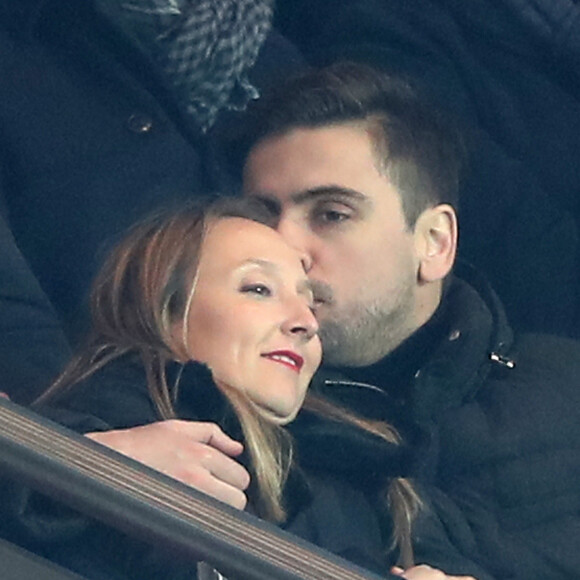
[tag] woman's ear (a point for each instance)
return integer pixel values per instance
(436, 242)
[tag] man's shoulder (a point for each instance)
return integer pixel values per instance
(557, 354)
(547, 359)
(533, 405)
(547, 342)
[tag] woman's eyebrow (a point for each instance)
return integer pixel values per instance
(304, 286)
(259, 262)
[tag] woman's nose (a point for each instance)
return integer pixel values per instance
(302, 323)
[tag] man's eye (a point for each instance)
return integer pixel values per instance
(259, 289)
(331, 216)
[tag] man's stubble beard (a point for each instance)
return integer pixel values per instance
(361, 334)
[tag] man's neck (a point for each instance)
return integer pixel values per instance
(397, 369)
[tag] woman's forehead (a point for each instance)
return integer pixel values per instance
(234, 241)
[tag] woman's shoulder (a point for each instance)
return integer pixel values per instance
(113, 397)
(117, 396)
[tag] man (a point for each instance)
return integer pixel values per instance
(509, 69)
(365, 180)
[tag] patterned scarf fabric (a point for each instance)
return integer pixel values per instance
(202, 48)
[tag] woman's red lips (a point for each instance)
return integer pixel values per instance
(286, 357)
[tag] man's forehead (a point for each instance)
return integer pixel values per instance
(306, 166)
(310, 144)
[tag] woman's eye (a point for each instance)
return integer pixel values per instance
(259, 289)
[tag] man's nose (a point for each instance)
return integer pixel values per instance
(306, 261)
(294, 235)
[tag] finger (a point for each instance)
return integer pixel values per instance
(198, 454)
(225, 469)
(223, 442)
(208, 433)
(207, 483)
(423, 572)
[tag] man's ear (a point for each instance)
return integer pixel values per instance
(436, 242)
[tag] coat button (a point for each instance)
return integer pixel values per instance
(454, 335)
(140, 123)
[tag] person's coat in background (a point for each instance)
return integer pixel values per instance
(90, 141)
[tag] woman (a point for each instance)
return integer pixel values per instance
(205, 314)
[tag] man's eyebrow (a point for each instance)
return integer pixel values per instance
(337, 191)
(305, 196)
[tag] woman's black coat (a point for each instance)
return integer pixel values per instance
(333, 498)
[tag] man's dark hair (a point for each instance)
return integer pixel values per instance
(417, 149)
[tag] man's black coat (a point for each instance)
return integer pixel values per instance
(495, 424)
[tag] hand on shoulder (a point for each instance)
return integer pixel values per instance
(198, 454)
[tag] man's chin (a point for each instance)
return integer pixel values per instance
(344, 347)
(336, 349)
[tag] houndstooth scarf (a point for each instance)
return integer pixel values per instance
(202, 48)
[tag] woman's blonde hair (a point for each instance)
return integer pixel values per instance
(143, 289)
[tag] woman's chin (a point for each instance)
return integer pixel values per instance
(276, 415)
